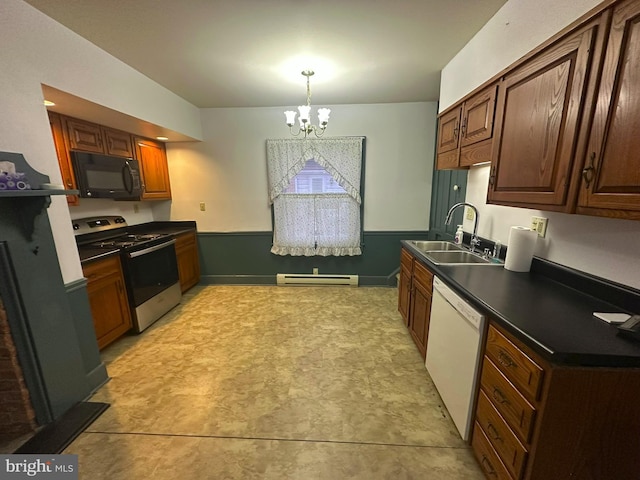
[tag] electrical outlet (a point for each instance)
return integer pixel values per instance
(202, 207)
(539, 224)
(315, 271)
(136, 208)
(470, 214)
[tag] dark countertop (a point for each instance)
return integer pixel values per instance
(88, 254)
(173, 228)
(552, 318)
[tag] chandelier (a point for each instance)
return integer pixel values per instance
(305, 115)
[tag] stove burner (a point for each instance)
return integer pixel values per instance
(125, 241)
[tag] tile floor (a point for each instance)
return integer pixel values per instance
(244, 382)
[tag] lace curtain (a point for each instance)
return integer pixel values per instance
(316, 224)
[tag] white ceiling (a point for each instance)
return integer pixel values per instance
(231, 53)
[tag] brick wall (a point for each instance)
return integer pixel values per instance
(16, 413)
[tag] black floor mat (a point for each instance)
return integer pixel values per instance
(56, 436)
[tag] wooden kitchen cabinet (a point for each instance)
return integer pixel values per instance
(64, 161)
(90, 137)
(108, 299)
(465, 132)
(610, 182)
(538, 118)
(154, 169)
(188, 260)
(84, 136)
(420, 310)
(404, 287)
(539, 421)
(117, 143)
(414, 299)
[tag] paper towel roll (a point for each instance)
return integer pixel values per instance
(522, 243)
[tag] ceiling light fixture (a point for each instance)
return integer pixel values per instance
(162, 138)
(48, 103)
(305, 115)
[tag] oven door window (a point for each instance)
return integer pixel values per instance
(152, 273)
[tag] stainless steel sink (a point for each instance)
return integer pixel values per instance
(430, 246)
(461, 257)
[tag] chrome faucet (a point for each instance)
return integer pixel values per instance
(475, 241)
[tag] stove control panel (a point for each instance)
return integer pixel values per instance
(86, 225)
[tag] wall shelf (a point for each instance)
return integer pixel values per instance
(35, 193)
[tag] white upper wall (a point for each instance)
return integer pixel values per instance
(516, 29)
(36, 50)
(601, 246)
(228, 171)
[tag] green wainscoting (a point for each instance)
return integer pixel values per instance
(245, 258)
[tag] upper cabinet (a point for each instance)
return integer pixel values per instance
(153, 168)
(64, 161)
(90, 137)
(465, 131)
(610, 178)
(538, 117)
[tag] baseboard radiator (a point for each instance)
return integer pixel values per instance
(309, 279)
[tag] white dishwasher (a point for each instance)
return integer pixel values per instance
(453, 353)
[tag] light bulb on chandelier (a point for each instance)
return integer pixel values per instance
(305, 115)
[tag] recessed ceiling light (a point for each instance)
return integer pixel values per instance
(162, 138)
(48, 103)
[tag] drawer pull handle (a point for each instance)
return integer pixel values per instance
(487, 464)
(588, 172)
(506, 360)
(493, 432)
(498, 396)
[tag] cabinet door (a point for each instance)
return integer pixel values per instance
(154, 169)
(420, 313)
(108, 300)
(537, 118)
(66, 170)
(188, 261)
(477, 117)
(611, 174)
(117, 143)
(404, 294)
(449, 130)
(84, 136)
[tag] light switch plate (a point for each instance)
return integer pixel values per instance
(202, 207)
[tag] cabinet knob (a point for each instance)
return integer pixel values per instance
(456, 188)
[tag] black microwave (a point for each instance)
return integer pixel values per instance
(104, 176)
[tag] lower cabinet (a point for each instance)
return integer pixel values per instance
(414, 299)
(539, 421)
(188, 261)
(108, 299)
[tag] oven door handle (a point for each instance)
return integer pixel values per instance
(151, 249)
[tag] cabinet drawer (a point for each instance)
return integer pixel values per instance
(406, 259)
(424, 276)
(513, 407)
(101, 268)
(487, 457)
(521, 370)
(505, 443)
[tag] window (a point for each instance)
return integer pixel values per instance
(314, 187)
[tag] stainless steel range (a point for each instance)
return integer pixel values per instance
(148, 261)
